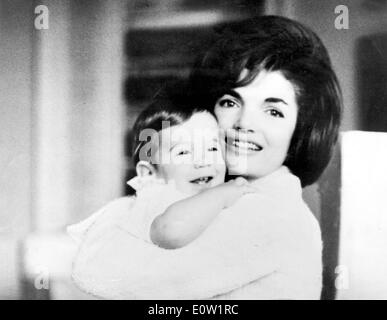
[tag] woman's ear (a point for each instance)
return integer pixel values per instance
(145, 169)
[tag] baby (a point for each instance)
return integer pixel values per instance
(177, 155)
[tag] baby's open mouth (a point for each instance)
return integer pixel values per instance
(202, 180)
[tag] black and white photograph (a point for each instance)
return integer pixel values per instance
(193, 150)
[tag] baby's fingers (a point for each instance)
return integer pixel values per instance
(239, 181)
(248, 189)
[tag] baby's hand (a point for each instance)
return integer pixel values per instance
(232, 190)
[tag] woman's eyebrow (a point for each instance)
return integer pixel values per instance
(233, 93)
(275, 100)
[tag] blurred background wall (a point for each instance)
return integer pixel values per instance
(15, 136)
(62, 120)
(69, 94)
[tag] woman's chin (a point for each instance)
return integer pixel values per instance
(238, 165)
(237, 170)
(244, 168)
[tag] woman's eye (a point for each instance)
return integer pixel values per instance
(276, 113)
(227, 103)
(213, 149)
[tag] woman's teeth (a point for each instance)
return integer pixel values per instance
(202, 180)
(246, 145)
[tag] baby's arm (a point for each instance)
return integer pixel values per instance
(186, 219)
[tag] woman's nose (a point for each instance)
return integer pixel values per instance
(245, 121)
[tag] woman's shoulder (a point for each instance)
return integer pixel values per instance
(278, 202)
(281, 182)
(277, 192)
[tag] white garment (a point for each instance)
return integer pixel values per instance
(266, 246)
(153, 197)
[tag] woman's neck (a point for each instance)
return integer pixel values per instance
(252, 178)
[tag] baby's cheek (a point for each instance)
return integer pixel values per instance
(169, 171)
(221, 171)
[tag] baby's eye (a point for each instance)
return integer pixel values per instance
(213, 149)
(227, 103)
(275, 113)
(183, 152)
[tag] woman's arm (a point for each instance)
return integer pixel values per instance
(236, 249)
(264, 235)
(124, 267)
(186, 219)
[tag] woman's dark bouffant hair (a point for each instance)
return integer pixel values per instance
(170, 106)
(278, 44)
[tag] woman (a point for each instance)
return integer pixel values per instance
(270, 83)
(277, 44)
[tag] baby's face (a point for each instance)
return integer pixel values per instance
(190, 154)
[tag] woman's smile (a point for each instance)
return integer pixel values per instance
(241, 143)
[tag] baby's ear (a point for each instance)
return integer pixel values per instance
(145, 169)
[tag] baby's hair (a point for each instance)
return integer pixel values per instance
(171, 107)
(279, 44)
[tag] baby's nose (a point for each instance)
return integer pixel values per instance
(202, 161)
(201, 164)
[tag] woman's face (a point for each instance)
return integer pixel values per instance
(259, 120)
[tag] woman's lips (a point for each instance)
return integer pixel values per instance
(246, 145)
(242, 146)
